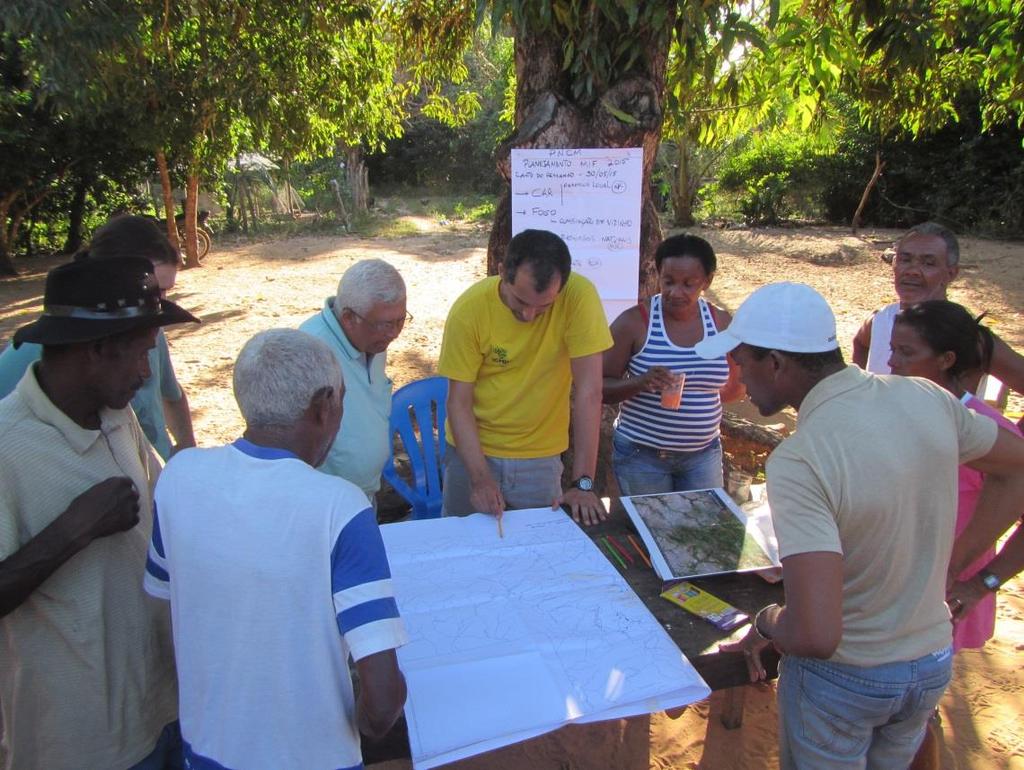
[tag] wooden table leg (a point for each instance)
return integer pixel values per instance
(733, 700)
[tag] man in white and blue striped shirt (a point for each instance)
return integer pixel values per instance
(276, 573)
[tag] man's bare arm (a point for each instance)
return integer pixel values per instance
(382, 693)
(179, 422)
(106, 508)
(587, 380)
(1008, 365)
(964, 594)
(862, 344)
(999, 504)
(811, 622)
(485, 493)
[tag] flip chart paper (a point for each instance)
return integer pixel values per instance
(591, 199)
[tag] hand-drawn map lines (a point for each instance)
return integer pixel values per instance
(527, 572)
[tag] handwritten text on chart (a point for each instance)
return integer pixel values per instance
(590, 197)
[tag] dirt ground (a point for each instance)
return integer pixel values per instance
(247, 287)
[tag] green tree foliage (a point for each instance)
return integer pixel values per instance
(52, 149)
(966, 176)
(770, 172)
(713, 99)
(450, 154)
(904, 68)
(295, 78)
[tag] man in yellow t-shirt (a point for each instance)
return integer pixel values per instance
(513, 346)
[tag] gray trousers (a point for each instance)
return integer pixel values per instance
(524, 483)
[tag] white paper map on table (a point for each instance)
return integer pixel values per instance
(514, 637)
(700, 532)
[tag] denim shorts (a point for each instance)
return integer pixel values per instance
(646, 470)
(835, 715)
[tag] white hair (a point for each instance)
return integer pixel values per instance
(366, 283)
(277, 374)
(934, 228)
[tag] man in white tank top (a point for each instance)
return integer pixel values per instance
(927, 260)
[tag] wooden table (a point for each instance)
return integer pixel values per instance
(697, 638)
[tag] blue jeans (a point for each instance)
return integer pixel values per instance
(834, 715)
(167, 754)
(644, 470)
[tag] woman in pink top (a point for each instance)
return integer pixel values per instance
(942, 342)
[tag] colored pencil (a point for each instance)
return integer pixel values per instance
(501, 532)
(612, 551)
(640, 551)
(620, 549)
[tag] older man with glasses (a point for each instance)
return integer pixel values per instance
(365, 316)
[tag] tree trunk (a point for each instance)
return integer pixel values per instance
(168, 195)
(76, 216)
(549, 116)
(229, 213)
(879, 165)
(242, 205)
(6, 264)
(684, 187)
(26, 235)
(358, 181)
(191, 239)
(342, 211)
(250, 202)
(12, 215)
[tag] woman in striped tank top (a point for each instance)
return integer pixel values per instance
(658, 449)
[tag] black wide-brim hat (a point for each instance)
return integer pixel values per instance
(91, 299)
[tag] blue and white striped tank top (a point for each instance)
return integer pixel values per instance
(695, 424)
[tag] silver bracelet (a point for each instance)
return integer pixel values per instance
(757, 622)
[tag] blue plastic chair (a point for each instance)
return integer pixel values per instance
(417, 416)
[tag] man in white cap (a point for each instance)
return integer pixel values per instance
(863, 499)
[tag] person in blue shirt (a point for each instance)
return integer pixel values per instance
(364, 317)
(160, 404)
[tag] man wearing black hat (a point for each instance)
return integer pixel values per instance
(88, 672)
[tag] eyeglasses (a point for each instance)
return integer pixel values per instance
(909, 259)
(384, 326)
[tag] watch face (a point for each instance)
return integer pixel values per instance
(584, 483)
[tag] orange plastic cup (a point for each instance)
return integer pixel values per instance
(672, 396)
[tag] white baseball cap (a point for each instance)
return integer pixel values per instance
(791, 317)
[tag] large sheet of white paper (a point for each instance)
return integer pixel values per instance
(514, 637)
(591, 199)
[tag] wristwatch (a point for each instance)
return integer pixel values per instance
(992, 582)
(584, 484)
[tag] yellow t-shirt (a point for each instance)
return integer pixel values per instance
(520, 370)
